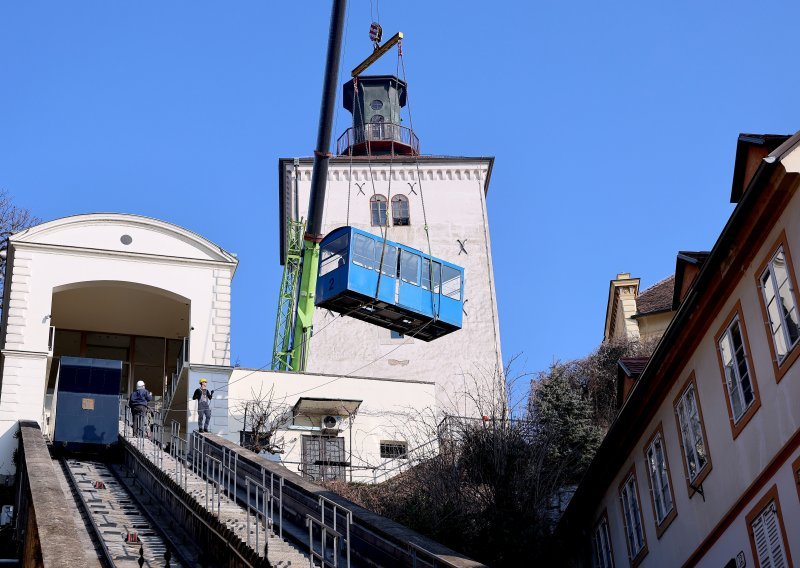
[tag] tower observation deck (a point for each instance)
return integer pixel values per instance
(377, 130)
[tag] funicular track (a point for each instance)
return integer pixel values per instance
(125, 530)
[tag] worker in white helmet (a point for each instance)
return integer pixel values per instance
(138, 405)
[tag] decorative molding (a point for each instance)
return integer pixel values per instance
(406, 172)
(134, 256)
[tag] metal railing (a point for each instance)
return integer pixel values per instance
(337, 509)
(377, 132)
(324, 531)
(261, 493)
(257, 498)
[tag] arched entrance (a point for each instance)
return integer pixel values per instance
(142, 326)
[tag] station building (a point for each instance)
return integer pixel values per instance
(702, 465)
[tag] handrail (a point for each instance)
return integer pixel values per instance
(377, 132)
(348, 515)
(188, 506)
(259, 513)
(324, 530)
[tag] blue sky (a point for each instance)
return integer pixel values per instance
(613, 125)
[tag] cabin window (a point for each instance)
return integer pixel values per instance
(427, 272)
(692, 433)
(409, 267)
(451, 282)
(400, 211)
(781, 306)
(602, 557)
(660, 488)
(767, 532)
(333, 255)
(389, 264)
(394, 450)
(363, 251)
(736, 369)
(632, 515)
(377, 206)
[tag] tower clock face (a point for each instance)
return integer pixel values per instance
(376, 105)
(377, 118)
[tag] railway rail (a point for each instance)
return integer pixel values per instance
(124, 527)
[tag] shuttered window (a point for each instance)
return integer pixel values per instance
(768, 539)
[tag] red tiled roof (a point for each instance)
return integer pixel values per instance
(657, 298)
(633, 366)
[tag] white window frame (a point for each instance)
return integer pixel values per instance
(691, 431)
(632, 516)
(660, 488)
(378, 210)
(602, 554)
(768, 537)
(734, 378)
(779, 329)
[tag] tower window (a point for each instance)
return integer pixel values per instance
(377, 206)
(400, 212)
(377, 128)
(376, 104)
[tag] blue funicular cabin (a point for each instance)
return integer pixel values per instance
(401, 297)
(87, 403)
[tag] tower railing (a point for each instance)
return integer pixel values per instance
(378, 133)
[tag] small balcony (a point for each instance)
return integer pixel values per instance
(378, 138)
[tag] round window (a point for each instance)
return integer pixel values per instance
(126, 239)
(376, 104)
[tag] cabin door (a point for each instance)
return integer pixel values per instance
(411, 294)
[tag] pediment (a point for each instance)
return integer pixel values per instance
(124, 233)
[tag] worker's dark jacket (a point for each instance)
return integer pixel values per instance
(140, 397)
(198, 393)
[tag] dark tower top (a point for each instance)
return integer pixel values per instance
(376, 126)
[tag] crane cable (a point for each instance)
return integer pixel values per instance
(389, 197)
(421, 193)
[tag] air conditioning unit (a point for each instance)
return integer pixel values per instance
(331, 424)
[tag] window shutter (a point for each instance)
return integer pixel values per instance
(768, 540)
(774, 536)
(760, 537)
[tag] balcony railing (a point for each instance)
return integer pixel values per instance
(378, 134)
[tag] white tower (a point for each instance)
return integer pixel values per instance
(378, 172)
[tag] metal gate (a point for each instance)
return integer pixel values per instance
(323, 458)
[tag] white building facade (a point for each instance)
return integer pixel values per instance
(109, 286)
